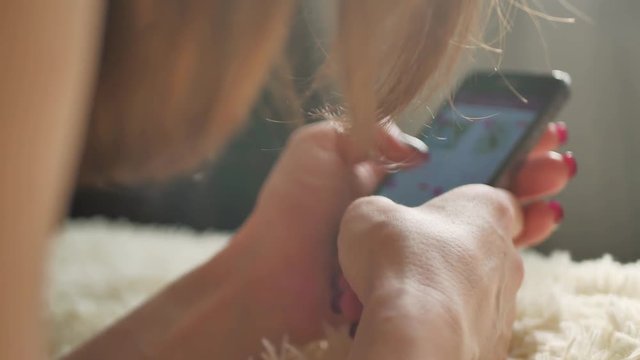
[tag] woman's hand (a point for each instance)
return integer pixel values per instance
(439, 279)
(319, 174)
(544, 173)
(298, 213)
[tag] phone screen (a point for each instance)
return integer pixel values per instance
(470, 140)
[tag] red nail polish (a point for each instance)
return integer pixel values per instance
(571, 163)
(562, 132)
(558, 210)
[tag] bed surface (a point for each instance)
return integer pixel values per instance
(586, 310)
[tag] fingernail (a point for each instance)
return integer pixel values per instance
(571, 163)
(558, 211)
(562, 132)
(414, 143)
(353, 329)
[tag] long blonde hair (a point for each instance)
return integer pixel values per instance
(177, 78)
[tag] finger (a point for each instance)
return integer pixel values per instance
(517, 225)
(544, 175)
(500, 206)
(391, 145)
(555, 135)
(392, 150)
(398, 147)
(541, 219)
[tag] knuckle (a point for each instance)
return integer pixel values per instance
(503, 205)
(499, 204)
(368, 207)
(517, 269)
(370, 219)
(476, 190)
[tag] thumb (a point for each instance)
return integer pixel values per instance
(390, 144)
(392, 150)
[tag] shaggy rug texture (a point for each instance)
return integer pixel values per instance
(567, 310)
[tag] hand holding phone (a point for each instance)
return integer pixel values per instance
(492, 122)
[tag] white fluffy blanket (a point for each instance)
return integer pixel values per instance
(567, 310)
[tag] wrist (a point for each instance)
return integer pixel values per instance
(192, 317)
(415, 322)
(278, 286)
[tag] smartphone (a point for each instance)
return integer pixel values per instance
(481, 135)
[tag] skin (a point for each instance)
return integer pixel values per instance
(274, 278)
(275, 275)
(49, 50)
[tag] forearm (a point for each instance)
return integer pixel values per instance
(210, 312)
(49, 52)
(405, 326)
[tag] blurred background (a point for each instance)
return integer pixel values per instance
(602, 205)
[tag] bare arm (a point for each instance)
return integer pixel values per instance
(47, 59)
(222, 310)
(399, 325)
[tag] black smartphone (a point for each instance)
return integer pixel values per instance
(480, 135)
